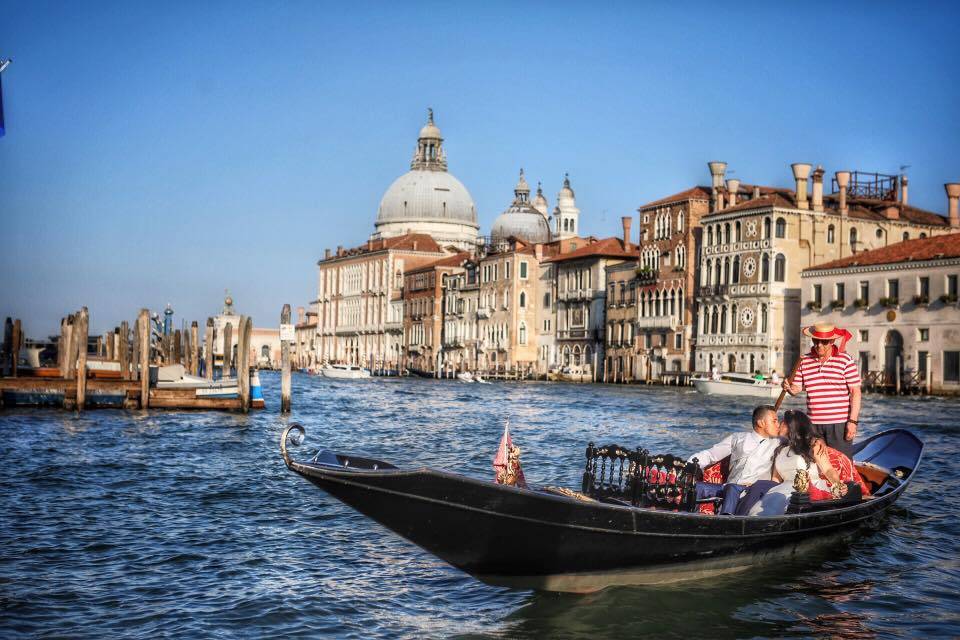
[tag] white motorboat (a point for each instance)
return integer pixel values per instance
(477, 378)
(736, 384)
(466, 376)
(343, 371)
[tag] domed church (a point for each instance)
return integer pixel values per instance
(428, 199)
(523, 220)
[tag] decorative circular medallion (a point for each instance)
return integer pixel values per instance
(891, 315)
(751, 228)
(749, 267)
(746, 317)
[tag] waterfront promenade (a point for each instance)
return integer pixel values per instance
(139, 524)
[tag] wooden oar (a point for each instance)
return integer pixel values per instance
(783, 392)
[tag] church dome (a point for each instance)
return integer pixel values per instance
(423, 194)
(521, 220)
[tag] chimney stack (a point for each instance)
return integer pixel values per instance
(326, 254)
(627, 222)
(717, 170)
(299, 315)
(953, 194)
(818, 189)
(733, 186)
(843, 181)
(903, 190)
(756, 193)
(339, 250)
(538, 251)
(801, 171)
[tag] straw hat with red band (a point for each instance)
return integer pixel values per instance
(828, 332)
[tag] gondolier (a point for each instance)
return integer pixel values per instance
(830, 377)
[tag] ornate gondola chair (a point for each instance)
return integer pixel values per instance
(806, 498)
(715, 473)
(637, 478)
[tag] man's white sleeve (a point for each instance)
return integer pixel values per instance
(717, 452)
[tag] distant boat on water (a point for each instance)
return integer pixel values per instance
(343, 372)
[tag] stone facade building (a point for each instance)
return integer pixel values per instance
(423, 312)
(303, 351)
(670, 238)
(461, 332)
(900, 304)
(621, 320)
(756, 243)
(359, 312)
(581, 275)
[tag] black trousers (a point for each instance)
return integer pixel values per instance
(834, 434)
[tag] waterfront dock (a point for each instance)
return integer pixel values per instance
(122, 368)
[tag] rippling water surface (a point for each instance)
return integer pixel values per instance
(188, 524)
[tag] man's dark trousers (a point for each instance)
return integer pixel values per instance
(730, 493)
(834, 434)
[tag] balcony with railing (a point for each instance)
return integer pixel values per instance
(572, 334)
(713, 290)
(658, 322)
(572, 295)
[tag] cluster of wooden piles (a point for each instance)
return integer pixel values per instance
(117, 373)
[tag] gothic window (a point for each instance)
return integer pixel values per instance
(679, 220)
(716, 272)
(853, 238)
(708, 273)
(780, 268)
(765, 268)
(523, 332)
(737, 231)
(766, 227)
(736, 270)
(830, 234)
(572, 230)
(709, 236)
(523, 300)
(726, 271)
(726, 233)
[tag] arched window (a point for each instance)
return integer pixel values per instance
(708, 272)
(679, 220)
(714, 319)
(716, 272)
(766, 227)
(906, 235)
(723, 320)
(736, 229)
(726, 271)
(780, 268)
(923, 235)
(523, 331)
(733, 318)
(763, 318)
(572, 230)
(726, 233)
(765, 268)
(709, 236)
(781, 228)
(523, 299)
(736, 270)
(853, 238)
(830, 234)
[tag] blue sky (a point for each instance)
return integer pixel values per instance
(164, 152)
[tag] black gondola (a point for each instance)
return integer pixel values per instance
(534, 538)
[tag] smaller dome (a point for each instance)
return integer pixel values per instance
(521, 220)
(566, 191)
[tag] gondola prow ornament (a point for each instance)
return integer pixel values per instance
(506, 463)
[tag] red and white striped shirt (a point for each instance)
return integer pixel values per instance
(828, 385)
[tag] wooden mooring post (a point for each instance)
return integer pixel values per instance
(243, 366)
(284, 361)
(83, 328)
(123, 349)
(15, 345)
(143, 324)
(194, 348)
(208, 349)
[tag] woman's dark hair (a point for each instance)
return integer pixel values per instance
(800, 436)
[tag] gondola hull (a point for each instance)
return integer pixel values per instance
(533, 539)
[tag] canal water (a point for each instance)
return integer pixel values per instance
(116, 524)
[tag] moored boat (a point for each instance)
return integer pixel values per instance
(466, 376)
(343, 371)
(736, 384)
(537, 538)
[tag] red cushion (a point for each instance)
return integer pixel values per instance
(716, 473)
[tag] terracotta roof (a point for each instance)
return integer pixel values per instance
(606, 248)
(406, 242)
(693, 193)
(450, 261)
(859, 208)
(917, 250)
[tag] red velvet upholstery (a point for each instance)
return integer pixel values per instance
(717, 474)
(848, 473)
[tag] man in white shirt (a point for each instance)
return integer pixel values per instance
(751, 459)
